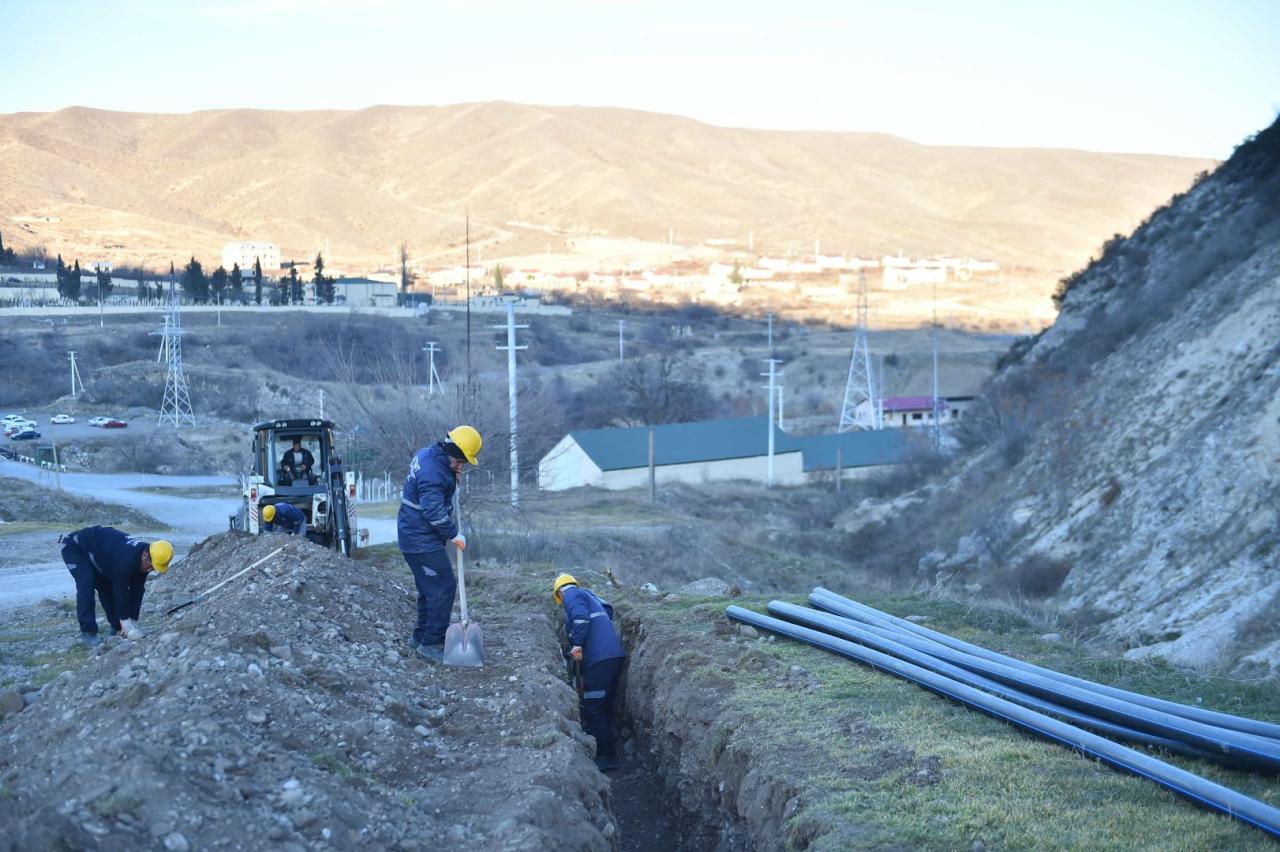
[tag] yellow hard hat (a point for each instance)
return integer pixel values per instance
(562, 581)
(269, 514)
(467, 439)
(161, 552)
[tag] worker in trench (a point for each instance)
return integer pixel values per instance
(113, 565)
(426, 528)
(597, 651)
(284, 518)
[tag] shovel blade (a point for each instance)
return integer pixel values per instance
(464, 645)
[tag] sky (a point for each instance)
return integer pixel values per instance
(1148, 76)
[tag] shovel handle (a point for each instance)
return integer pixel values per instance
(462, 583)
(240, 573)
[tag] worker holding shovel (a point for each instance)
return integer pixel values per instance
(426, 526)
(113, 565)
(595, 649)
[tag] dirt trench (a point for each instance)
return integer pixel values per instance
(694, 779)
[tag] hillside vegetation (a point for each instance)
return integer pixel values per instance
(1127, 460)
(157, 187)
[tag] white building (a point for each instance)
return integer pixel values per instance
(905, 412)
(246, 253)
(711, 451)
(899, 277)
(364, 293)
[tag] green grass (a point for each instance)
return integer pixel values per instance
(996, 784)
(378, 510)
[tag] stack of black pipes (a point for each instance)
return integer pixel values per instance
(1056, 706)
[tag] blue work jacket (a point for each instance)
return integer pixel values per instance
(289, 518)
(425, 523)
(588, 621)
(117, 558)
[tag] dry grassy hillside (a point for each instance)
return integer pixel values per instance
(137, 186)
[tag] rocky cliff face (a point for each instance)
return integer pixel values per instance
(1127, 459)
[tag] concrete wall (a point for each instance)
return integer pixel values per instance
(567, 466)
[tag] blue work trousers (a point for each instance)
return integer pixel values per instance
(599, 683)
(86, 580)
(433, 575)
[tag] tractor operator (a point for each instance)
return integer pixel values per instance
(593, 646)
(425, 526)
(115, 565)
(298, 462)
(284, 518)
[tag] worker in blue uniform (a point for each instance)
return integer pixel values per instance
(284, 518)
(425, 527)
(593, 642)
(114, 565)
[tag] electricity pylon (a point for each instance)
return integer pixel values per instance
(860, 387)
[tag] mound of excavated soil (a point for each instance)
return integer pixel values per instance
(21, 500)
(288, 708)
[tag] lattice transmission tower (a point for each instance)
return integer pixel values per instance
(860, 387)
(175, 408)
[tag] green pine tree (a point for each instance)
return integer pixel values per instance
(236, 281)
(104, 284)
(257, 281)
(218, 283)
(195, 286)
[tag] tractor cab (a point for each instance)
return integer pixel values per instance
(294, 462)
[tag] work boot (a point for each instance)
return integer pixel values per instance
(608, 762)
(432, 653)
(90, 640)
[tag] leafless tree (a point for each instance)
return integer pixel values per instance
(406, 275)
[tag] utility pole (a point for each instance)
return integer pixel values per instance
(176, 405)
(860, 386)
(433, 378)
(653, 469)
(321, 403)
(773, 375)
(467, 275)
(511, 349)
(101, 322)
(621, 323)
(780, 426)
(770, 318)
(937, 433)
(75, 374)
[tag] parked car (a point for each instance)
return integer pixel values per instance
(61, 419)
(98, 421)
(25, 435)
(10, 419)
(18, 426)
(115, 424)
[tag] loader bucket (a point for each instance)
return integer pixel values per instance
(464, 645)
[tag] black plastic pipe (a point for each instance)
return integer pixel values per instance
(845, 629)
(841, 605)
(1238, 749)
(1199, 790)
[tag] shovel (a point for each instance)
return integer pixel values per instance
(171, 610)
(463, 642)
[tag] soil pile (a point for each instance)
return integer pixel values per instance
(289, 708)
(21, 500)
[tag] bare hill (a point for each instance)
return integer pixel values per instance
(1129, 468)
(92, 183)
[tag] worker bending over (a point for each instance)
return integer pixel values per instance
(115, 565)
(593, 642)
(426, 525)
(284, 518)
